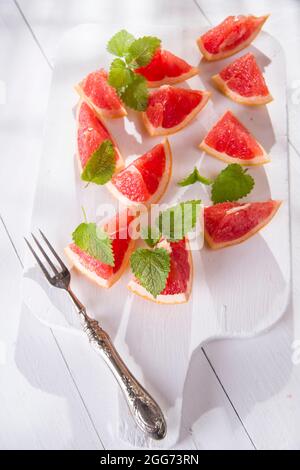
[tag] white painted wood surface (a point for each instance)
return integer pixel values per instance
(231, 408)
(219, 307)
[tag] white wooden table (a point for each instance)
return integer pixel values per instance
(248, 392)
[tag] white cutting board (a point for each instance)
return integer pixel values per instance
(237, 292)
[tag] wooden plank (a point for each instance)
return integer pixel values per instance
(21, 119)
(262, 381)
(61, 27)
(50, 21)
(106, 395)
(40, 406)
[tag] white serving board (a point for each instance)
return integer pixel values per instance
(237, 292)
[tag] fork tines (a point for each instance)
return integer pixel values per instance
(56, 272)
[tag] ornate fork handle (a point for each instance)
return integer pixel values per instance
(145, 410)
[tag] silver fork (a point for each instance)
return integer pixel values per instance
(145, 411)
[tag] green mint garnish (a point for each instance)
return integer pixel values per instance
(151, 268)
(193, 178)
(177, 221)
(95, 242)
(119, 44)
(141, 51)
(231, 184)
(151, 235)
(135, 94)
(101, 165)
(132, 53)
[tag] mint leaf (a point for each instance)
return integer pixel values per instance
(151, 235)
(136, 93)
(120, 76)
(101, 165)
(141, 51)
(151, 268)
(231, 184)
(175, 222)
(119, 44)
(194, 177)
(95, 242)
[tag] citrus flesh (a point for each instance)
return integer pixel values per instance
(170, 109)
(146, 178)
(97, 92)
(230, 141)
(230, 223)
(166, 68)
(91, 132)
(179, 281)
(232, 35)
(242, 81)
(122, 245)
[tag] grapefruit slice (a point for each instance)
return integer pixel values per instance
(179, 282)
(232, 35)
(122, 244)
(166, 68)
(230, 141)
(230, 223)
(96, 91)
(91, 132)
(170, 109)
(243, 82)
(146, 179)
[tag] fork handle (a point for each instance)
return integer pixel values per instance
(145, 411)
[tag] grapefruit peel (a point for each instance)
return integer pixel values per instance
(90, 90)
(212, 56)
(245, 67)
(160, 130)
(90, 135)
(169, 298)
(242, 138)
(236, 209)
(148, 198)
(163, 65)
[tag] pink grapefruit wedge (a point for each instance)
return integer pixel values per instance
(171, 109)
(179, 282)
(103, 274)
(230, 141)
(231, 36)
(96, 91)
(91, 132)
(166, 68)
(243, 82)
(230, 223)
(146, 179)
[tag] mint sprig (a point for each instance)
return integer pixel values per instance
(174, 223)
(101, 165)
(132, 53)
(119, 44)
(232, 184)
(95, 241)
(193, 178)
(151, 268)
(141, 51)
(177, 221)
